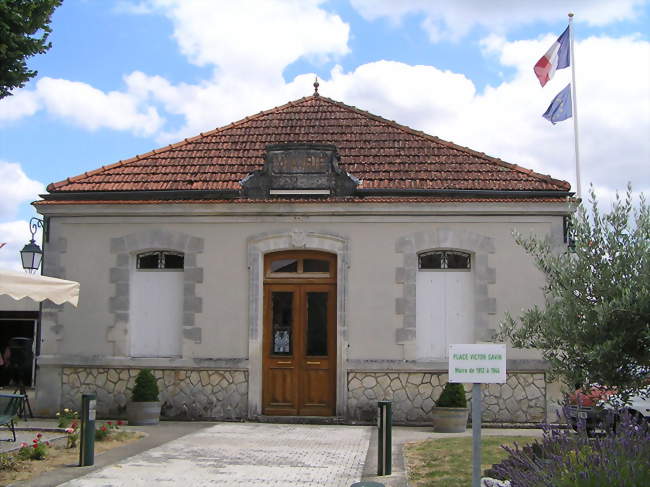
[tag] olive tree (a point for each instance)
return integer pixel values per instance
(595, 325)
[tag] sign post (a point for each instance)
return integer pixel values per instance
(482, 363)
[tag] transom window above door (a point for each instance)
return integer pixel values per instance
(300, 265)
(160, 260)
(444, 259)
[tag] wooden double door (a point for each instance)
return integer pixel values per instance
(299, 377)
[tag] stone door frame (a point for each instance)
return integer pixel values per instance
(264, 243)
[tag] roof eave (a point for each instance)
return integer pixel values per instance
(236, 194)
(464, 192)
(142, 195)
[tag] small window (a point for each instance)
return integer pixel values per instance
(149, 261)
(299, 265)
(172, 261)
(160, 260)
(315, 265)
(284, 265)
(444, 259)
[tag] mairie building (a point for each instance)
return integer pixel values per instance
(308, 260)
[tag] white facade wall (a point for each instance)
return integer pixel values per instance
(372, 310)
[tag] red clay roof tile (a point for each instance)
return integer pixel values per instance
(379, 152)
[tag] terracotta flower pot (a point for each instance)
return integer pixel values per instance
(449, 420)
(143, 413)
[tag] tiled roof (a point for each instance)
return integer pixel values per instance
(369, 199)
(382, 154)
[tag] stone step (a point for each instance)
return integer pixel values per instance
(300, 419)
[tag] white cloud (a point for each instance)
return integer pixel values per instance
(453, 20)
(84, 106)
(21, 104)
(254, 38)
(397, 91)
(16, 188)
(92, 109)
(248, 43)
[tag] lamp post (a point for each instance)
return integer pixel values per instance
(31, 255)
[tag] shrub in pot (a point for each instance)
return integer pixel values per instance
(144, 408)
(451, 411)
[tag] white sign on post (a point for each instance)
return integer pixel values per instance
(481, 363)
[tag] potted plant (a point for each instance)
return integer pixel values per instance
(144, 408)
(451, 411)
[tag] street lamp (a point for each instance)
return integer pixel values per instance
(31, 255)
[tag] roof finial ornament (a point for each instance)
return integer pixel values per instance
(316, 85)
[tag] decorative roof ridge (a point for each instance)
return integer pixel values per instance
(55, 185)
(544, 177)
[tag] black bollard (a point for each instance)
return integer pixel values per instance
(385, 437)
(87, 440)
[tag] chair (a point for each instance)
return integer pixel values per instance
(9, 406)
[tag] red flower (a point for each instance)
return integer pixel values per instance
(35, 445)
(109, 423)
(39, 435)
(34, 440)
(120, 422)
(103, 428)
(74, 425)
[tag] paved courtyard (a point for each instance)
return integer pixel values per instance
(250, 454)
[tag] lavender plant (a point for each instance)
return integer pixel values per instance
(617, 457)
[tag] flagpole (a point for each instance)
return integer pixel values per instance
(574, 105)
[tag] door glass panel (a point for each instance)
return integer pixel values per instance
(316, 323)
(315, 265)
(284, 265)
(282, 303)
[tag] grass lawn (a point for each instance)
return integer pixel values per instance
(447, 462)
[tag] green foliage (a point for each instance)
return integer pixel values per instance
(566, 459)
(106, 430)
(146, 389)
(24, 29)
(66, 417)
(453, 396)
(37, 450)
(72, 437)
(595, 327)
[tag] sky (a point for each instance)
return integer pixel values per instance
(127, 76)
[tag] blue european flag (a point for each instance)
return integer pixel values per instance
(560, 107)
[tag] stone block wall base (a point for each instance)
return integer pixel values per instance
(184, 394)
(522, 399)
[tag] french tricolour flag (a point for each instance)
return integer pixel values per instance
(557, 57)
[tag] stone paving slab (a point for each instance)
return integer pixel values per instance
(246, 454)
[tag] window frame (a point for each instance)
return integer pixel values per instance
(300, 275)
(161, 261)
(443, 260)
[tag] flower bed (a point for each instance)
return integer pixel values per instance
(619, 456)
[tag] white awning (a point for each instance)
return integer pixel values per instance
(19, 285)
